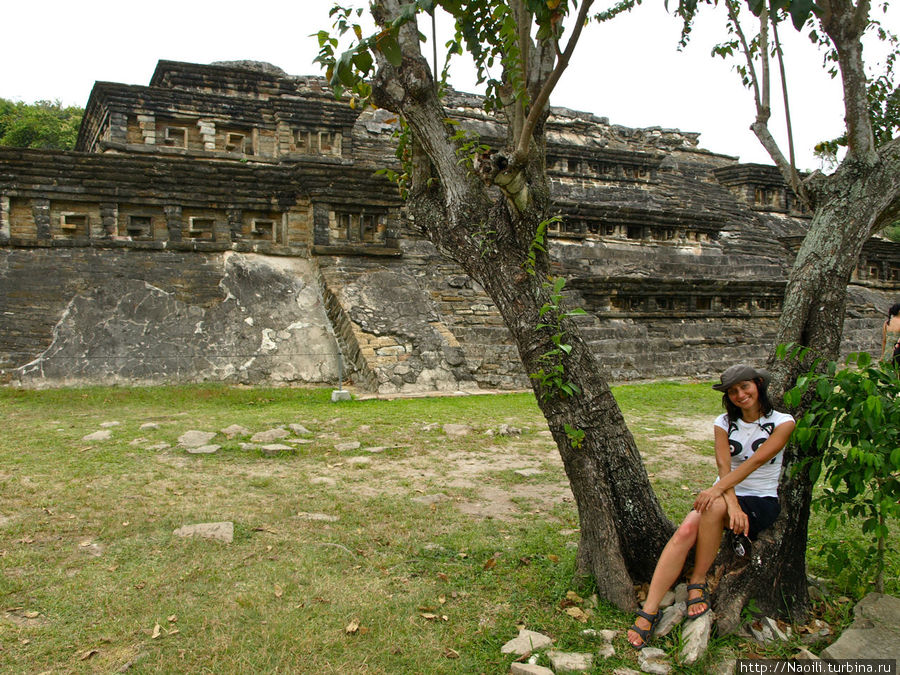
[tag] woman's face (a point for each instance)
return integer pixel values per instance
(744, 395)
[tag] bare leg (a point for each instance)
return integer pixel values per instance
(713, 522)
(668, 569)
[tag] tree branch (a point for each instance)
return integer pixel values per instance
(795, 183)
(543, 98)
(745, 47)
(845, 24)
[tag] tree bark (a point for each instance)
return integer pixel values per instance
(486, 227)
(851, 204)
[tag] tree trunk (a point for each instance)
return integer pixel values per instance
(623, 528)
(850, 205)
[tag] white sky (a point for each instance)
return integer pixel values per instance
(628, 70)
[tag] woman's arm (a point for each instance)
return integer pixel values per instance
(737, 519)
(763, 454)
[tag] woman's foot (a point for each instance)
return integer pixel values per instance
(698, 600)
(642, 629)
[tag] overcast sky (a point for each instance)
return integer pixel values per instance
(628, 70)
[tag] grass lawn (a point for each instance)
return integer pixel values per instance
(415, 551)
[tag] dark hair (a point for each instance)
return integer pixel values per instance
(894, 310)
(765, 405)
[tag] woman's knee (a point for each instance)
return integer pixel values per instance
(687, 531)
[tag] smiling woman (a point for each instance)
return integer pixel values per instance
(749, 439)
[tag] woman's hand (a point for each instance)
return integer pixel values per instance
(738, 522)
(706, 498)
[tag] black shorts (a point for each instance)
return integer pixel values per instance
(761, 511)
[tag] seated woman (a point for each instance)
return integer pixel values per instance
(749, 439)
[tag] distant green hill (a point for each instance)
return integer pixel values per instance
(42, 124)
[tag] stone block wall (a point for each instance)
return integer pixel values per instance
(85, 316)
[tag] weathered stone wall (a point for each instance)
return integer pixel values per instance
(132, 261)
(87, 315)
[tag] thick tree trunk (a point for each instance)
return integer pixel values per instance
(850, 205)
(623, 528)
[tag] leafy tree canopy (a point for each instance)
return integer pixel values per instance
(43, 124)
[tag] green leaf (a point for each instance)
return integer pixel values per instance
(390, 47)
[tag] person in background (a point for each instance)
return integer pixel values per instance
(890, 336)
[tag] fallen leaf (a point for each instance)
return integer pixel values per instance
(174, 631)
(85, 543)
(31, 614)
(140, 585)
(88, 654)
(126, 523)
(352, 627)
(451, 653)
(278, 591)
(489, 564)
(577, 613)
(428, 616)
(172, 618)
(156, 631)
(572, 596)
(26, 540)
(442, 576)
(442, 599)
(553, 558)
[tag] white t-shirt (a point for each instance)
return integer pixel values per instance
(744, 438)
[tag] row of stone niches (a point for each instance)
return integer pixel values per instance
(687, 304)
(576, 228)
(108, 220)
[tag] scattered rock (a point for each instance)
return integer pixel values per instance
(507, 430)
(194, 439)
(376, 449)
(570, 662)
(727, 667)
(235, 430)
(299, 429)
(431, 499)
(323, 517)
(814, 631)
(526, 641)
(874, 633)
(681, 593)
(431, 426)
(203, 450)
(529, 472)
(776, 629)
(269, 435)
(150, 425)
(671, 617)
(457, 429)
(298, 441)
(276, 449)
(805, 655)
(668, 599)
(350, 445)
(608, 635)
(248, 446)
(625, 671)
(653, 660)
(107, 425)
(223, 531)
(696, 637)
(103, 435)
(606, 651)
(528, 669)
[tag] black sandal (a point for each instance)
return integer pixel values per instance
(645, 633)
(704, 598)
